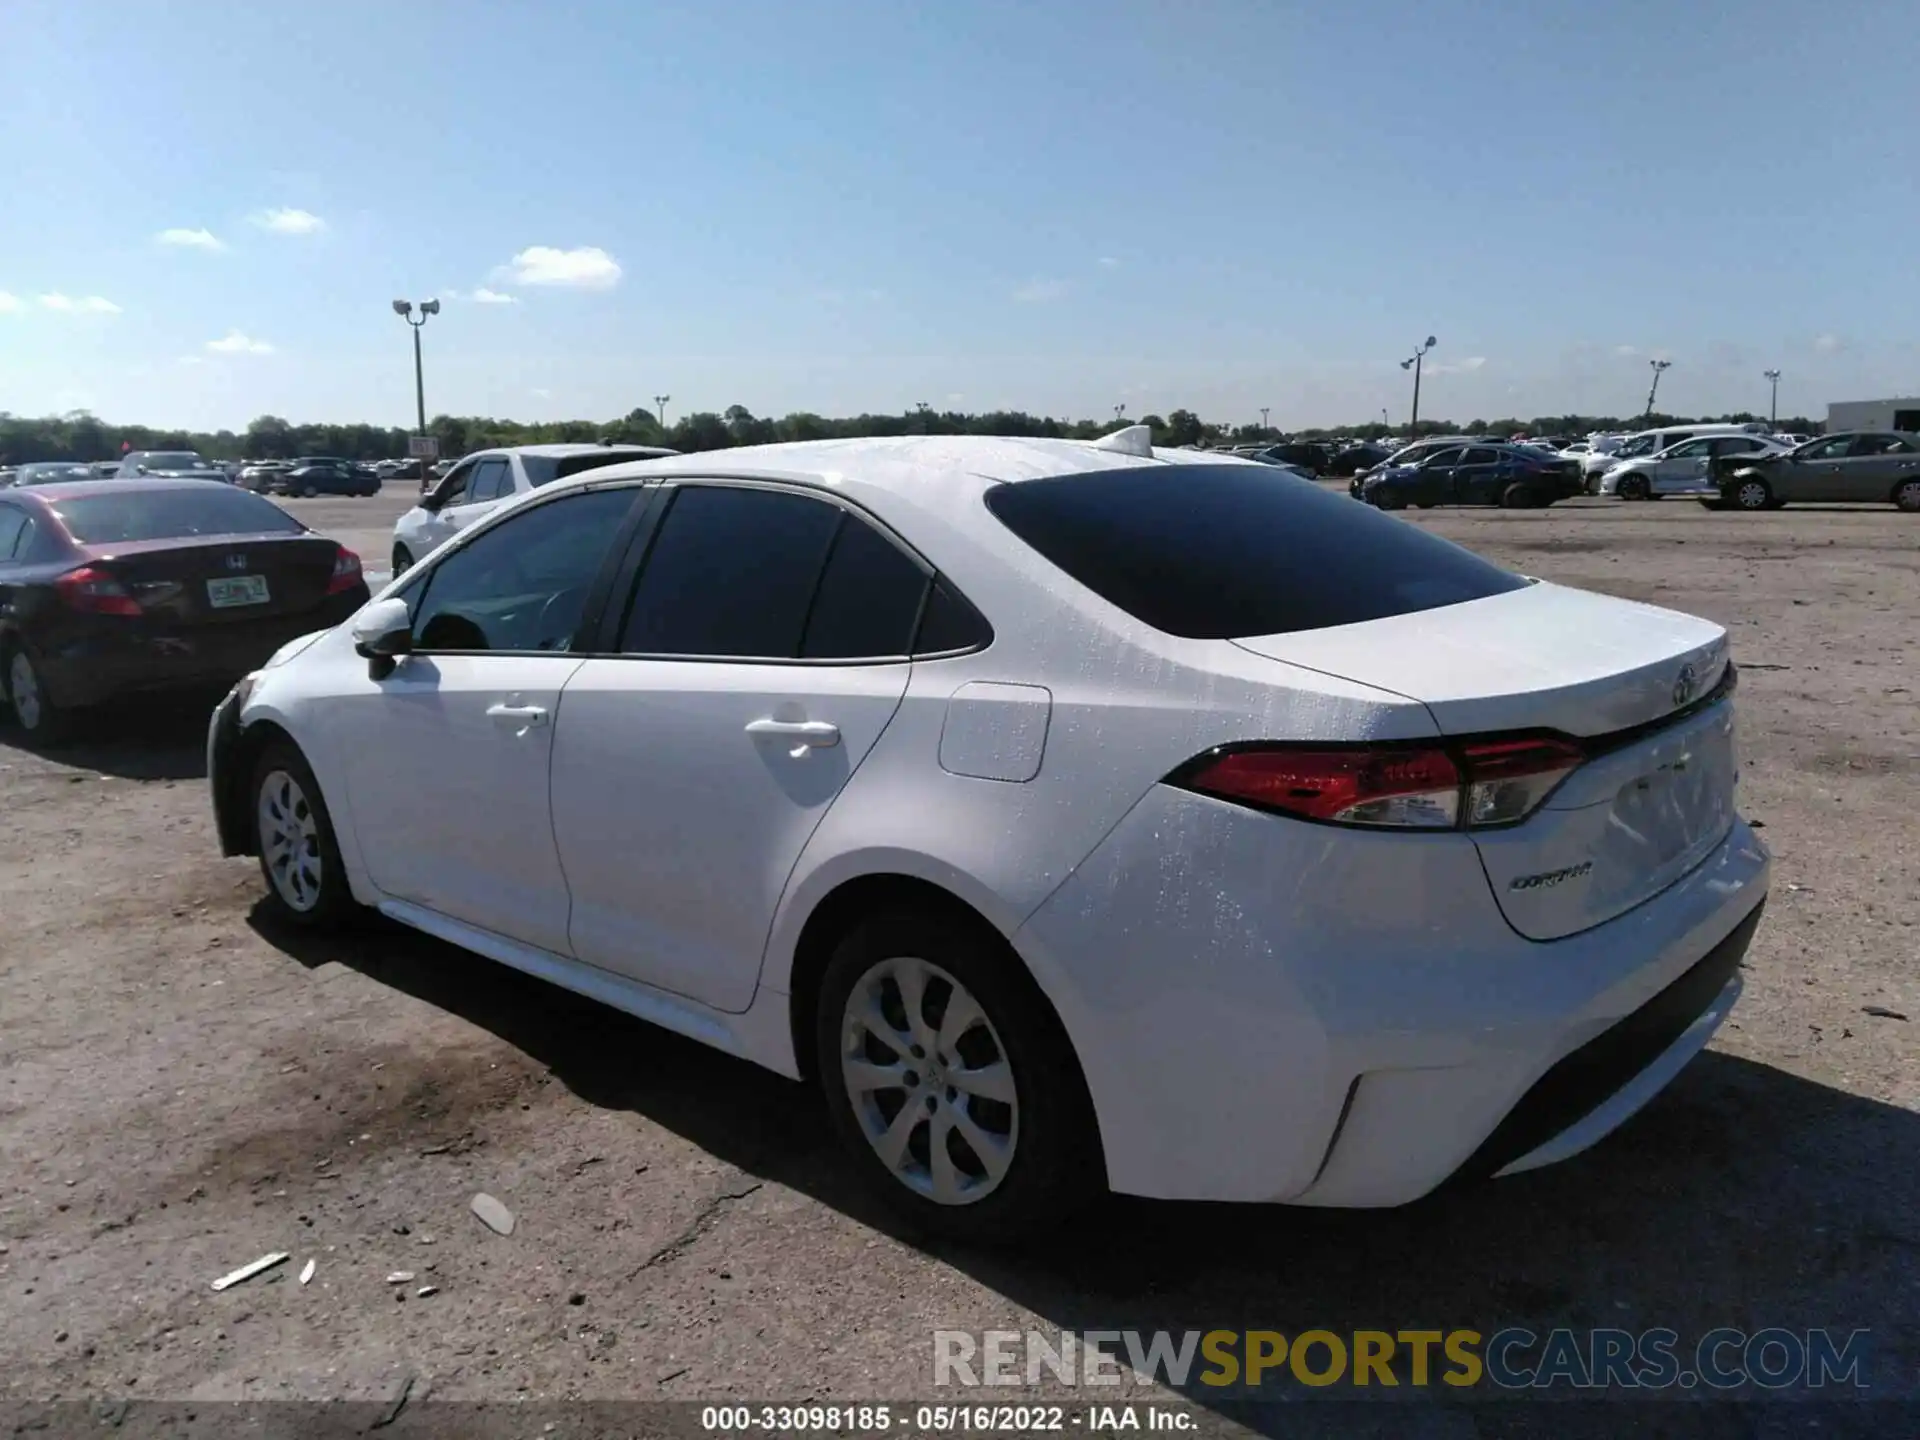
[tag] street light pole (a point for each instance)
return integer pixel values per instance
(1773, 405)
(1263, 418)
(1413, 363)
(1659, 368)
(660, 404)
(405, 310)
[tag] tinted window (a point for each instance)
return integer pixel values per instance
(1213, 551)
(1440, 459)
(950, 623)
(491, 479)
(133, 513)
(574, 464)
(869, 598)
(1693, 448)
(1879, 445)
(731, 572)
(34, 543)
(523, 584)
(1829, 449)
(12, 522)
(169, 460)
(1483, 457)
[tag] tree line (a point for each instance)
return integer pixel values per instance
(79, 435)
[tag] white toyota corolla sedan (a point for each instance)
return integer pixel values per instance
(1073, 815)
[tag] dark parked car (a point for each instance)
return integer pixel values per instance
(325, 475)
(1509, 475)
(166, 465)
(1355, 458)
(1866, 467)
(51, 472)
(1308, 455)
(147, 585)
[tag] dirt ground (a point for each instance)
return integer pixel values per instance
(183, 1090)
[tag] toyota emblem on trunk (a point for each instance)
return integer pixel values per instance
(239, 562)
(1684, 684)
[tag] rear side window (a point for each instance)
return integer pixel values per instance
(1216, 551)
(869, 598)
(206, 509)
(730, 573)
(12, 522)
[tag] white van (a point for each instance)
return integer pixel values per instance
(1648, 442)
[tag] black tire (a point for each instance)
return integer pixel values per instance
(1633, 487)
(52, 724)
(1751, 493)
(1056, 1165)
(1906, 496)
(402, 561)
(1516, 496)
(307, 492)
(1713, 504)
(333, 904)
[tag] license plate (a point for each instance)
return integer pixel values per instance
(238, 590)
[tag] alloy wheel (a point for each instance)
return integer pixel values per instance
(23, 688)
(290, 841)
(1752, 496)
(929, 1081)
(1907, 497)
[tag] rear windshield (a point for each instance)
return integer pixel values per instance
(542, 469)
(212, 509)
(1217, 551)
(170, 460)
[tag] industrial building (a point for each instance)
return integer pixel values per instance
(1874, 415)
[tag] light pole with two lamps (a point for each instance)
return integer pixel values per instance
(660, 405)
(1773, 405)
(404, 309)
(1660, 367)
(1412, 363)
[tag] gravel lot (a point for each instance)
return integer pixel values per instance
(182, 1091)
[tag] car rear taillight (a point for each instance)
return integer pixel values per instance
(94, 591)
(1478, 784)
(346, 572)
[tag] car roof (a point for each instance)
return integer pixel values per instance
(565, 450)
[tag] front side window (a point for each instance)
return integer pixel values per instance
(491, 479)
(1443, 459)
(1692, 449)
(730, 572)
(522, 585)
(1829, 449)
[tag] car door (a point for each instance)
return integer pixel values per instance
(1874, 463)
(1682, 466)
(1814, 475)
(492, 477)
(760, 652)
(1433, 481)
(447, 756)
(1481, 475)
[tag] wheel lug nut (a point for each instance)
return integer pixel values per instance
(932, 1103)
(918, 1053)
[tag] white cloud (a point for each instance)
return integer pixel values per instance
(1036, 292)
(234, 343)
(10, 304)
(190, 239)
(484, 296)
(587, 268)
(191, 360)
(288, 221)
(540, 392)
(954, 399)
(1459, 367)
(1109, 262)
(1626, 352)
(86, 304)
(1829, 344)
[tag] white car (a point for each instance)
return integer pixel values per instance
(480, 481)
(1073, 815)
(1683, 469)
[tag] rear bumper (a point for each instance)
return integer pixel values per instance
(1344, 1018)
(100, 662)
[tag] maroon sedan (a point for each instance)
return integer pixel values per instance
(147, 585)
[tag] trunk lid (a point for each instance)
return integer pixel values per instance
(230, 579)
(1655, 796)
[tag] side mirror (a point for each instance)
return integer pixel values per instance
(382, 633)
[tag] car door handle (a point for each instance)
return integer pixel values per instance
(822, 733)
(518, 717)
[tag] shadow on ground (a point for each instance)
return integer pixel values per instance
(137, 739)
(1744, 1197)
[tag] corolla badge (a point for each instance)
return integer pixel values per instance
(1685, 685)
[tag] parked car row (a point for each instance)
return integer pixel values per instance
(1452, 473)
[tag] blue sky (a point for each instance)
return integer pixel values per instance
(1058, 205)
